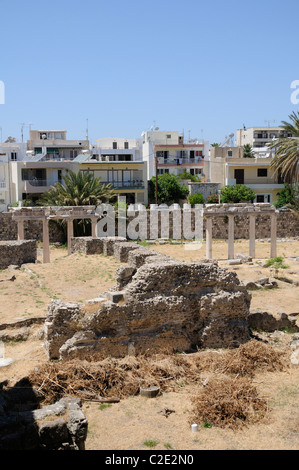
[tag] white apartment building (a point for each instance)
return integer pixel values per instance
(118, 161)
(259, 137)
(29, 169)
(171, 154)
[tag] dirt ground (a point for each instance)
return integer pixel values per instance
(138, 423)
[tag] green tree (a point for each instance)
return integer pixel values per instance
(237, 193)
(286, 151)
(78, 189)
(248, 151)
(169, 189)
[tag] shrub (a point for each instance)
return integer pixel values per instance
(237, 193)
(285, 196)
(196, 198)
(213, 199)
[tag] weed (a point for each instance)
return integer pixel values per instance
(103, 406)
(167, 445)
(150, 443)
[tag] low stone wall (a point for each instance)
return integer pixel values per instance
(159, 304)
(17, 253)
(26, 426)
(33, 229)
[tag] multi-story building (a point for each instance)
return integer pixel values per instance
(259, 136)
(49, 155)
(227, 166)
(118, 161)
(167, 152)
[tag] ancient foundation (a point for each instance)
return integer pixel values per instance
(159, 304)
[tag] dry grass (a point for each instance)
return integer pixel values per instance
(229, 402)
(226, 401)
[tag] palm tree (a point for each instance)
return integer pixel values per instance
(79, 189)
(286, 157)
(248, 151)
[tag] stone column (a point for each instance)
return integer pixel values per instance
(231, 236)
(209, 238)
(252, 236)
(273, 251)
(70, 234)
(21, 235)
(94, 228)
(46, 242)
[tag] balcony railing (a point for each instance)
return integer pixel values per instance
(179, 161)
(38, 182)
(133, 184)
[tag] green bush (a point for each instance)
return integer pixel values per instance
(187, 176)
(237, 193)
(285, 196)
(196, 198)
(213, 199)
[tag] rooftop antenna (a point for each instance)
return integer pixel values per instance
(269, 122)
(86, 129)
(22, 131)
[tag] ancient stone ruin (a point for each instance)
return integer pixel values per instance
(26, 426)
(159, 304)
(17, 253)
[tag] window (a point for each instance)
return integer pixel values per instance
(262, 172)
(262, 198)
(13, 155)
(126, 145)
(168, 136)
(114, 145)
(230, 153)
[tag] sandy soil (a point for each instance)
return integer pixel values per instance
(136, 422)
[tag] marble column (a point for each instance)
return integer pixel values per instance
(21, 235)
(252, 219)
(231, 236)
(94, 228)
(209, 238)
(46, 242)
(273, 251)
(70, 234)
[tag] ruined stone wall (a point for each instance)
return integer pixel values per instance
(159, 304)
(287, 225)
(33, 229)
(26, 426)
(17, 252)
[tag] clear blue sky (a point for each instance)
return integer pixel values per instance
(204, 66)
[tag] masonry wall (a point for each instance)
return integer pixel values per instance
(17, 252)
(33, 229)
(287, 226)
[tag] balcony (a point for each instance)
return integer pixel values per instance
(196, 161)
(133, 184)
(35, 186)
